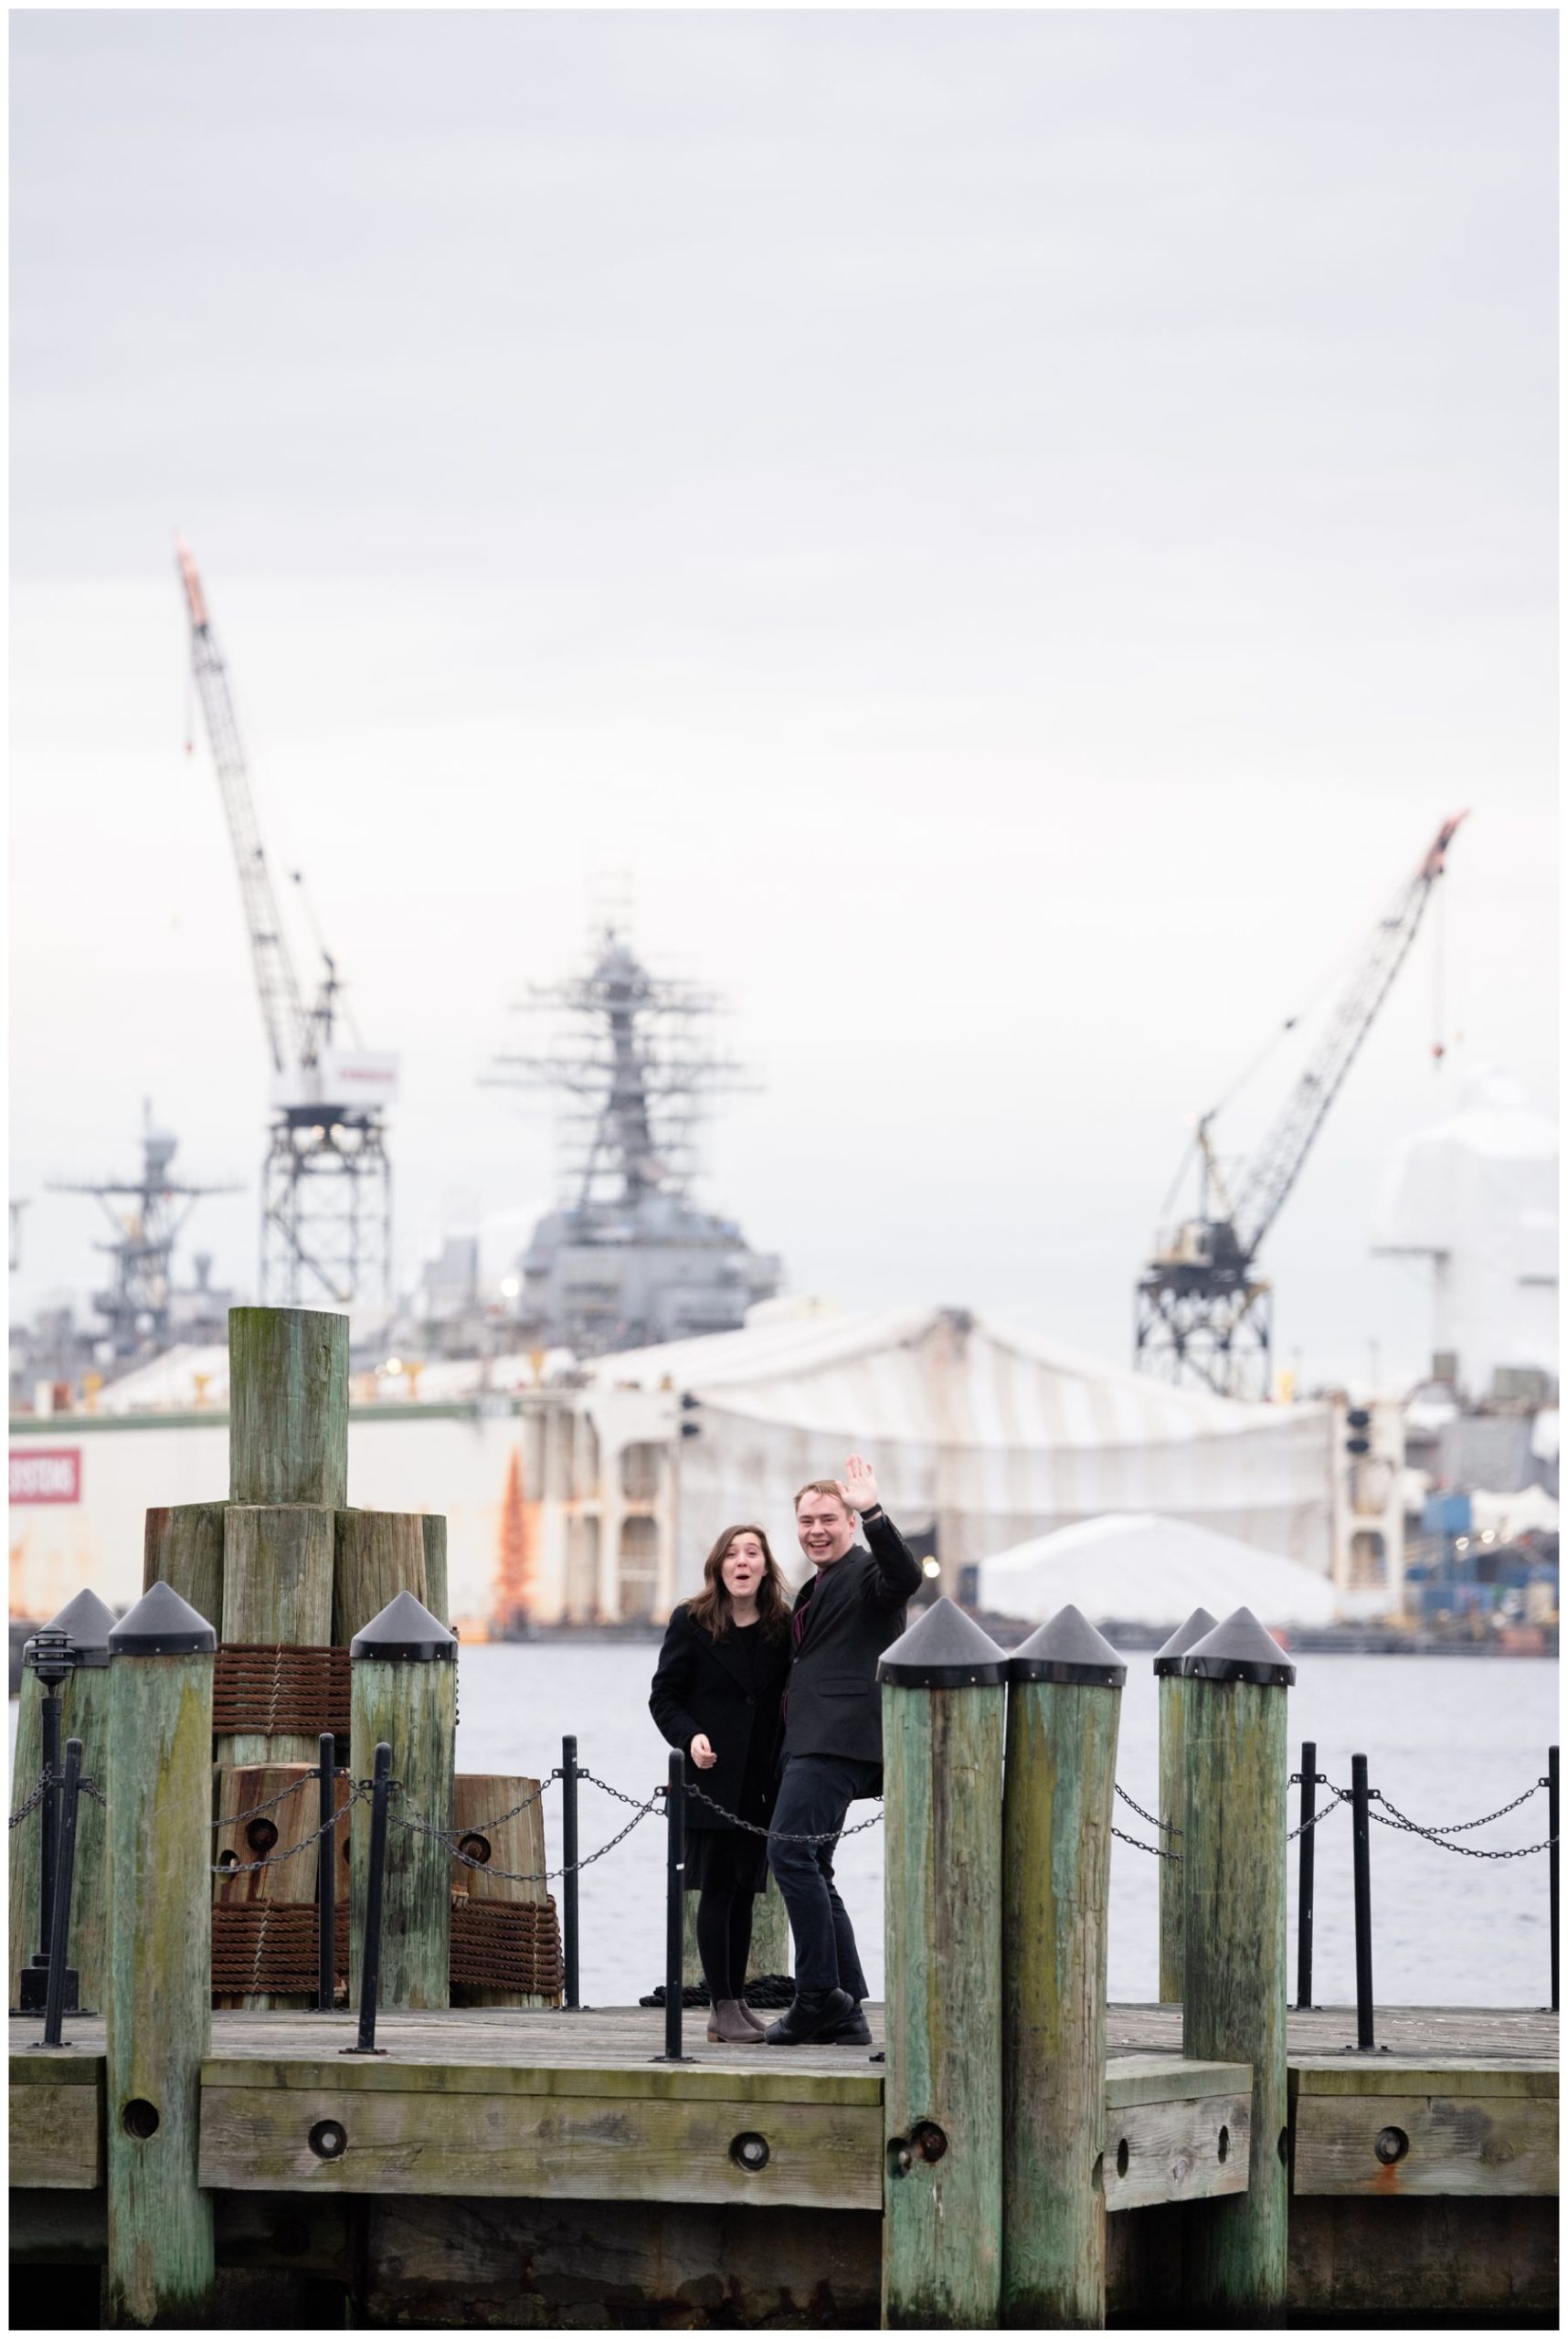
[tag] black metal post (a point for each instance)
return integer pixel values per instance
(375, 1882)
(1552, 1810)
(675, 1908)
(1307, 1862)
(326, 1874)
(64, 1872)
(569, 1863)
(1360, 1830)
(49, 1815)
(52, 1657)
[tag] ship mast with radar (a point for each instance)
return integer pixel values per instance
(1203, 1311)
(326, 1182)
(629, 1260)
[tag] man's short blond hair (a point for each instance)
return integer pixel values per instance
(825, 1487)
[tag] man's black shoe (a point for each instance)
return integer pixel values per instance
(817, 2015)
(853, 2031)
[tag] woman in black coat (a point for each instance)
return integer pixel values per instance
(717, 1694)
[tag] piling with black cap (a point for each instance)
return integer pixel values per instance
(1234, 1989)
(84, 1714)
(942, 1700)
(159, 1994)
(1172, 1793)
(1064, 1709)
(404, 1692)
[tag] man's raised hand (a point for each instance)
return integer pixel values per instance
(858, 1485)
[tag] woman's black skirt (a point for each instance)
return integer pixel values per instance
(725, 1859)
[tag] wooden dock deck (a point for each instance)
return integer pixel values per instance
(470, 2165)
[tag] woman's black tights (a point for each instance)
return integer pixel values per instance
(723, 1939)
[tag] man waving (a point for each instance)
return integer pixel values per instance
(844, 1616)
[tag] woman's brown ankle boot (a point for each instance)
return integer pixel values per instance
(728, 2025)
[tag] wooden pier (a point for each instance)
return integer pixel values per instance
(1012, 2151)
(444, 2181)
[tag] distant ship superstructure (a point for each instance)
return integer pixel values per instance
(630, 1259)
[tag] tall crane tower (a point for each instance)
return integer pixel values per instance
(327, 1181)
(1204, 1310)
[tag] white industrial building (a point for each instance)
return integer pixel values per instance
(613, 1480)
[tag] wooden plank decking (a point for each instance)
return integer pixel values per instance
(482, 2102)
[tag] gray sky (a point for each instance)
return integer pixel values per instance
(1011, 529)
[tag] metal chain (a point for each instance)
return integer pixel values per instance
(782, 1834)
(1340, 1795)
(454, 1836)
(1166, 1826)
(359, 1791)
(1460, 1826)
(1155, 1851)
(413, 1824)
(92, 1788)
(1392, 1817)
(595, 1781)
(310, 1779)
(46, 1781)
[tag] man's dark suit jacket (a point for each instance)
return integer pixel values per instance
(853, 1610)
(703, 1684)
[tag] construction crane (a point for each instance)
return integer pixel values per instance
(1203, 1311)
(326, 1182)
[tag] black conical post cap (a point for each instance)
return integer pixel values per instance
(161, 1624)
(406, 1633)
(943, 1649)
(1068, 1648)
(89, 1621)
(1168, 1655)
(1238, 1650)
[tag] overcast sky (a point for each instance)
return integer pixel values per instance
(1007, 532)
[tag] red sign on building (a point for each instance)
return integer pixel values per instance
(47, 1474)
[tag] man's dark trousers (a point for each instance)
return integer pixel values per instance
(814, 1797)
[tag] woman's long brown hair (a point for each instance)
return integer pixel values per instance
(712, 1607)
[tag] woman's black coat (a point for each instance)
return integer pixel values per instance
(705, 1685)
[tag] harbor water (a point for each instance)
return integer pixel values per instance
(1448, 1739)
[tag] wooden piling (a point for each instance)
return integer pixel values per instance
(1234, 1987)
(405, 1693)
(1173, 1794)
(942, 1701)
(158, 2003)
(1064, 1709)
(182, 1546)
(509, 1853)
(276, 1588)
(378, 1554)
(288, 1406)
(433, 1533)
(84, 1714)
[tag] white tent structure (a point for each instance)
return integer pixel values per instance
(982, 1434)
(1477, 1194)
(1144, 1570)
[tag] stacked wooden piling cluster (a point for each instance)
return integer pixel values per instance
(997, 1879)
(292, 1574)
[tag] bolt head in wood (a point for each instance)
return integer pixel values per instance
(161, 1624)
(1238, 1650)
(404, 1633)
(87, 1621)
(1067, 1648)
(943, 1649)
(1168, 1654)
